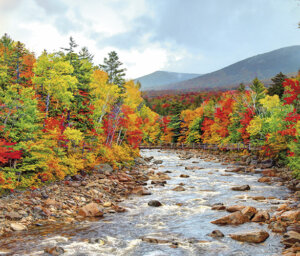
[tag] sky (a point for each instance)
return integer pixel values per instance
(191, 36)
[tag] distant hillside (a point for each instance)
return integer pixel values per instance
(156, 80)
(264, 66)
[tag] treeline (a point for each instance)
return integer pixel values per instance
(61, 114)
(268, 118)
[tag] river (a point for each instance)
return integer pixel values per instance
(183, 221)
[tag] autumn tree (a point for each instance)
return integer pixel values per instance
(54, 79)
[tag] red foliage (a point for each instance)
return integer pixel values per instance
(292, 88)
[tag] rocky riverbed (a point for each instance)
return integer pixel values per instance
(179, 203)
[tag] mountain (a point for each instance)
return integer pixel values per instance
(264, 66)
(157, 79)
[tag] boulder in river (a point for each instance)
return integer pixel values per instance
(158, 162)
(255, 236)
(90, 210)
(264, 179)
(216, 233)
(261, 216)
(235, 218)
(154, 240)
(235, 208)
(241, 188)
(154, 203)
(184, 176)
(291, 238)
(179, 188)
(293, 215)
(218, 207)
(249, 212)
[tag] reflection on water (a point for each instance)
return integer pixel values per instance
(181, 225)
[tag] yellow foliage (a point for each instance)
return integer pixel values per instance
(73, 135)
(270, 102)
(255, 126)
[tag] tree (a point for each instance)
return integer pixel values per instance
(257, 92)
(112, 67)
(70, 50)
(241, 87)
(277, 86)
(53, 76)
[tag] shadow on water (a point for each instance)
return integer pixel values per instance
(183, 221)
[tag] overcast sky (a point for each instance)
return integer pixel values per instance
(193, 36)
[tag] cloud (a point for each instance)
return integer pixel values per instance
(188, 36)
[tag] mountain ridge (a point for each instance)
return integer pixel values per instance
(160, 78)
(264, 66)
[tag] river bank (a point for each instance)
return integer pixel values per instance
(71, 200)
(193, 183)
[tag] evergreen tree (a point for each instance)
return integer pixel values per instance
(241, 87)
(112, 67)
(84, 54)
(258, 92)
(277, 87)
(175, 127)
(70, 51)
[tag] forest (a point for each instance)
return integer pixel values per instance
(61, 114)
(268, 118)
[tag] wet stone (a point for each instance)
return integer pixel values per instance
(255, 236)
(55, 251)
(154, 203)
(184, 176)
(241, 188)
(216, 233)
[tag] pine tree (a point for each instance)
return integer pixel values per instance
(277, 87)
(70, 51)
(112, 67)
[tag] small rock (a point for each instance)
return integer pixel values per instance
(184, 176)
(44, 195)
(154, 203)
(154, 240)
(179, 188)
(107, 204)
(103, 168)
(157, 162)
(55, 251)
(17, 226)
(241, 188)
(255, 236)
(218, 207)
(264, 179)
(13, 216)
(140, 161)
(216, 233)
(90, 210)
(277, 227)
